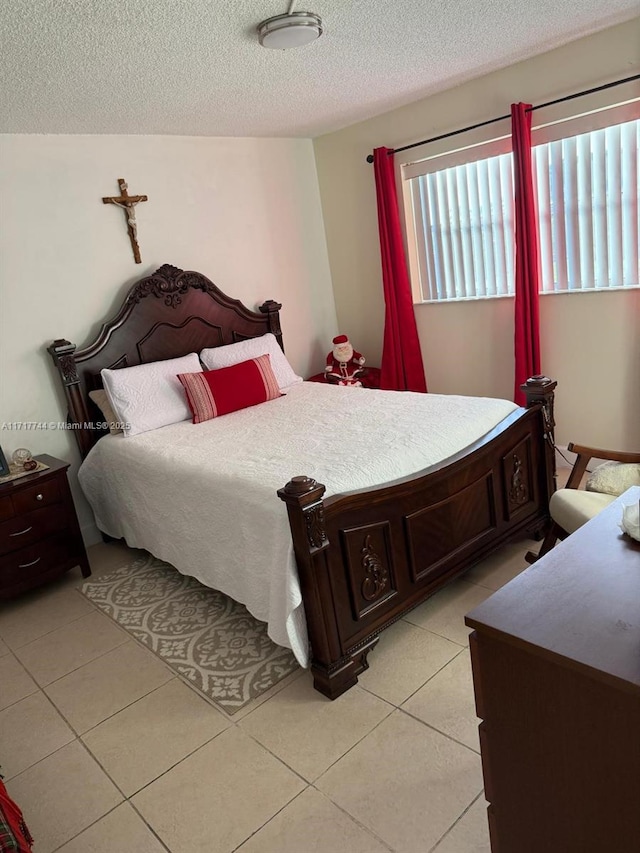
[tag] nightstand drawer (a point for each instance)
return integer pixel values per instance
(28, 563)
(6, 508)
(37, 496)
(28, 528)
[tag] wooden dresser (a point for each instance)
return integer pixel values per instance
(556, 671)
(39, 533)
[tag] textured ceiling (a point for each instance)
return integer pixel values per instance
(194, 67)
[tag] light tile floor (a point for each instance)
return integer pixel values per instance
(105, 749)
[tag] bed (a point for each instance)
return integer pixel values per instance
(353, 560)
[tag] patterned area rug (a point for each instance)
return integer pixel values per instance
(202, 634)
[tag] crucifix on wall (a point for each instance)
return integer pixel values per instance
(128, 204)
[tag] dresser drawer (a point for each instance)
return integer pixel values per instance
(37, 496)
(493, 829)
(485, 753)
(6, 508)
(29, 528)
(42, 558)
(474, 651)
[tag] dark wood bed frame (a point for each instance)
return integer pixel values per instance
(364, 558)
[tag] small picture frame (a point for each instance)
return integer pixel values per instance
(4, 465)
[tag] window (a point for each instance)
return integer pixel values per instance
(462, 217)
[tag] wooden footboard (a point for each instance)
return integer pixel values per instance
(366, 558)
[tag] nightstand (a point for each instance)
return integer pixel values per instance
(40, 536)
(370, 377)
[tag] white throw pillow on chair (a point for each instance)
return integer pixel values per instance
(613, 478)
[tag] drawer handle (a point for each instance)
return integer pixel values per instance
(39, 497)
(26, 565)
(20, 532)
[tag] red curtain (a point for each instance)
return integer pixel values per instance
(527, 323)
(401, 368)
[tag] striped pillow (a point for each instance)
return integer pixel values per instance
(217, 392)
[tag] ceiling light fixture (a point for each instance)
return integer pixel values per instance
(294, 29)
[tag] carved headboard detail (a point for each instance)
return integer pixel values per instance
(165, 315)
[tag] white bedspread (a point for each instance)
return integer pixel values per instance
(203, 497)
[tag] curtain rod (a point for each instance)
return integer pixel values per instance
(508, 115)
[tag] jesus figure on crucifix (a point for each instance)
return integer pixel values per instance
(130, 209)
(127, 203)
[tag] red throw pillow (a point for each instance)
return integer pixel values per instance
(217, 392)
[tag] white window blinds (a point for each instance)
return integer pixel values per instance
(588, 207)
(588, 201)
(464, 233)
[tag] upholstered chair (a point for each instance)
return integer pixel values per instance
(572, 506)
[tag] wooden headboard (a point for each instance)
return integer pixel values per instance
(165, 315)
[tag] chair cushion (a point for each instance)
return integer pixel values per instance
(613, 478)
(571, 508)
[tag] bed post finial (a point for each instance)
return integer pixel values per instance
(540, 390)
(303, 497)
(62, 353)
(272, 309)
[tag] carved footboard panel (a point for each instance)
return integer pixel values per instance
(368, 557)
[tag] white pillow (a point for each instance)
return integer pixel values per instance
(226, 356)
(613, 478)
(149, 396)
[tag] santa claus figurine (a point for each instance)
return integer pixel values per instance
(344, 364)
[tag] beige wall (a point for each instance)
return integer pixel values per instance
(590, 342)
(245, 212)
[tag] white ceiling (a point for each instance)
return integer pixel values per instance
(195, 67)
